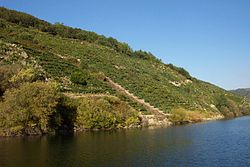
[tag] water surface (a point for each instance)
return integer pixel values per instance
(217, 143)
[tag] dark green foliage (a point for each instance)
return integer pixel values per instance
(61, 30)
(143, 55)
(63, 120)
(2, 24)
(80, 77)
(180, 70)
(20, 18)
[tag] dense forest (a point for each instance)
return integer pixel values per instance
(54, 78)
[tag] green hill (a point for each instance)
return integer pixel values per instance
(80, 62)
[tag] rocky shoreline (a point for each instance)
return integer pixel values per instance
(147, 121)
(154, 121)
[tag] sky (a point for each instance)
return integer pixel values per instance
(209, 38)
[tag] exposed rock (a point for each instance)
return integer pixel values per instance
(119, 67)
(62, 57)
(187, 81)
(213, 106)
(154, 121)
(178, 84)
(175, 83)
(24, 55)
(215, 117)
(32, 131)
(23, 63)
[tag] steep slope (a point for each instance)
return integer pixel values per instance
(81, 60)
(149, 107)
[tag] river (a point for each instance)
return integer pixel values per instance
(217, 143)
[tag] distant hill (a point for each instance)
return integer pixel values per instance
(242, 92)
(85, 64)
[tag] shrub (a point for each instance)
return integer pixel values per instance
(182, 116)
(227, 106)
(95, 115)
(2, 24)
(79, 77)
(63, 120)
(144, 55)
(178, 116)
(26, 36)
(180, 70)
(28, 109)
(195, 116)
(24, 75)
(103, 113)
(6, 72)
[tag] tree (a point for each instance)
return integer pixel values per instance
(227, 106)
(181, 71)
(28, 109)
(6, 72)
(107, 112)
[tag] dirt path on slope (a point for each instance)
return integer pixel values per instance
(147, 106)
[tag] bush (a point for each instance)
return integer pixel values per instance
(180, 70)
(179, 116)
(6, 72)
(79, 77)
(227, 107)
(196, 116)
(27, 110)
(103, 113)
(24, 75)
(144, 55)
(182, 116)
(63, 120)
(2, 24)
(26, 36)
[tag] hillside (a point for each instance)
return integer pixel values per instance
(83, 62)
(242, 92)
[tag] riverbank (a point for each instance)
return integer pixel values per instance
(216, 143)
(154, 121)
(147, 121)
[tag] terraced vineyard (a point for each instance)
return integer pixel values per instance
(64, 53)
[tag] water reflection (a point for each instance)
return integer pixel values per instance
(219, 143)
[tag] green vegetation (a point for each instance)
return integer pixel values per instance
(105, 113)
(228, 107)
(34, 52)
(27, 109)
(27, 21)
(182, 116)
(180, 70)
(34, 107)
(79, 77)
(6, 72)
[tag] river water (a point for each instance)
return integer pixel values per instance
(217, 143)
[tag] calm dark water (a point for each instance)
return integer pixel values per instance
(218, 143)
